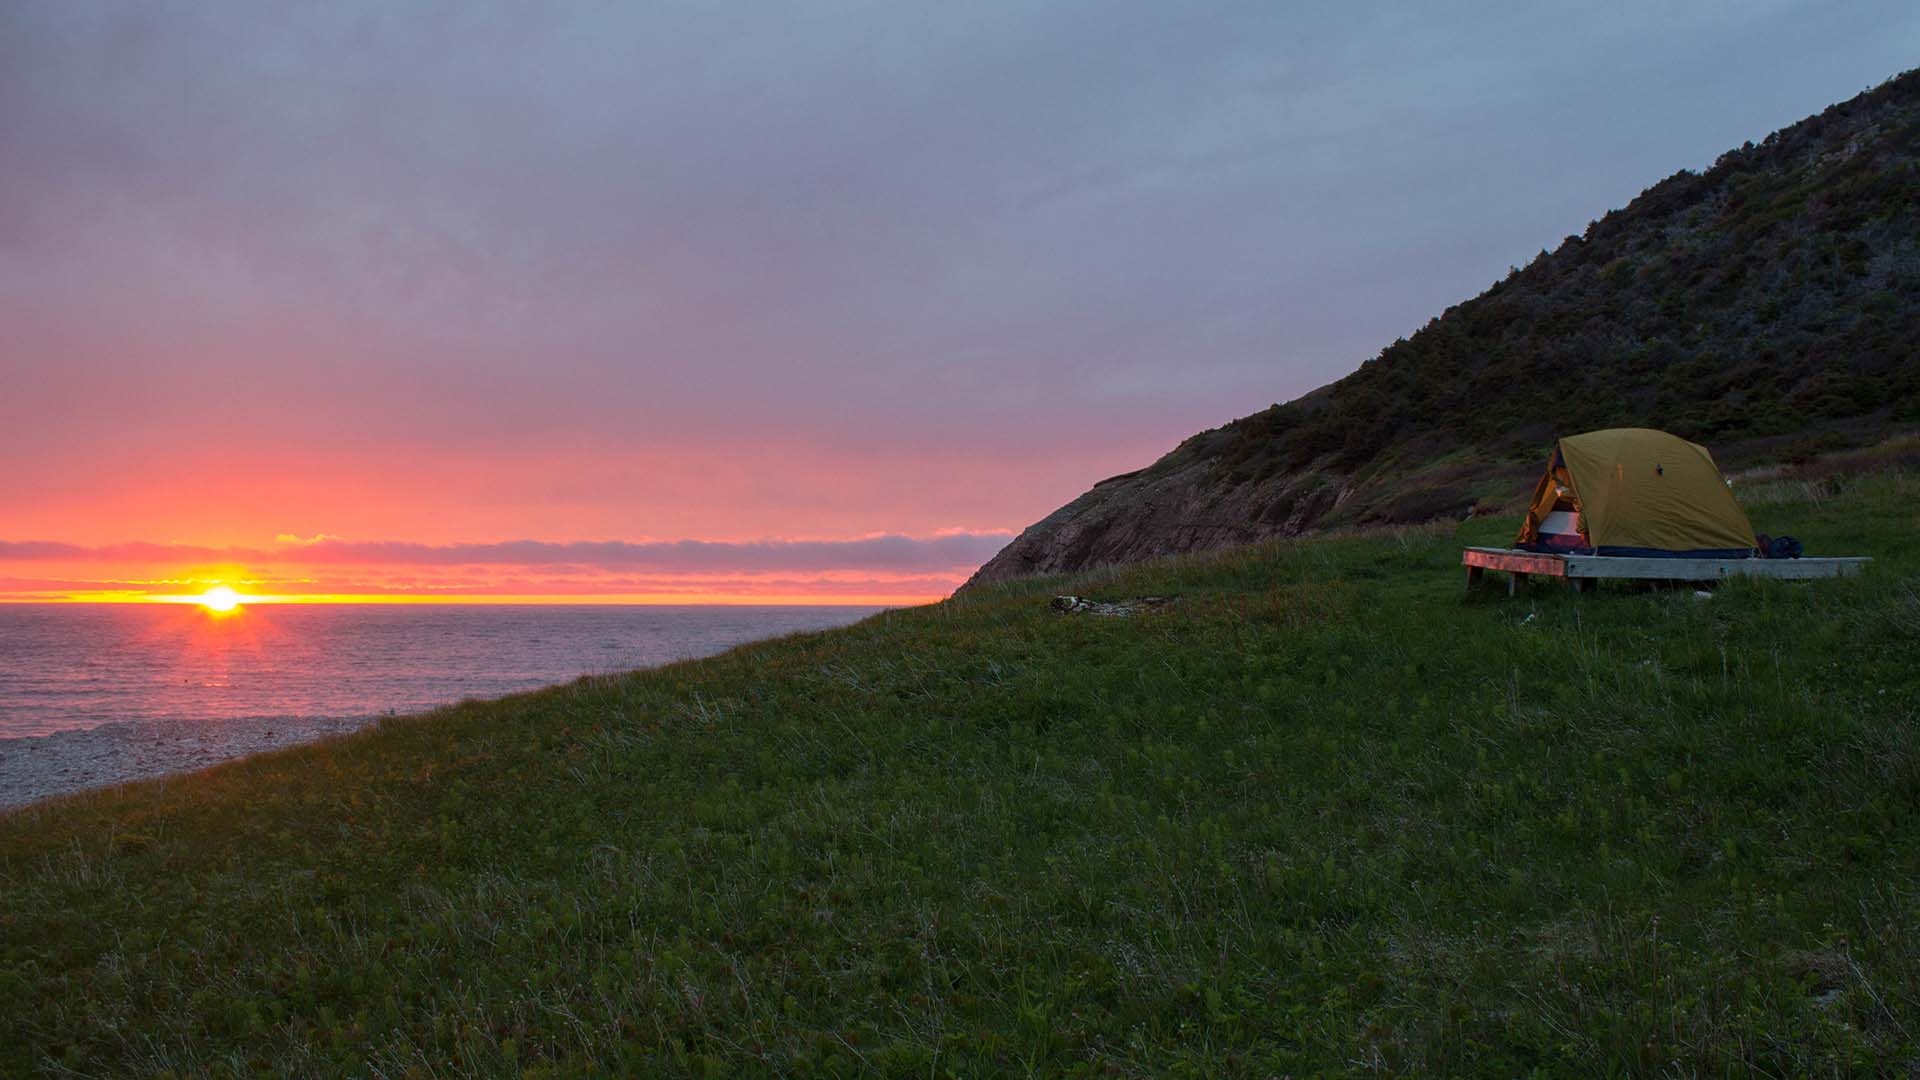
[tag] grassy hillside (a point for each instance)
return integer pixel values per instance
(1324, 813)
(1768, 307)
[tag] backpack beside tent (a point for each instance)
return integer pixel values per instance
(1635, 492)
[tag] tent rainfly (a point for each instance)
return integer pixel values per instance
(1635, 491)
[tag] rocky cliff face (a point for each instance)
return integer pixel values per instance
(1768, 307)
(1181, 504)
(1174, 506)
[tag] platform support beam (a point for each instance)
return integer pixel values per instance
(1581, 569)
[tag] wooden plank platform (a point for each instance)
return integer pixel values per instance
(1580, 570)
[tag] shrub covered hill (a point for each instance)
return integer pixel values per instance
(1768, 307)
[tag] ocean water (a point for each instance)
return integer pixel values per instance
(96, 693)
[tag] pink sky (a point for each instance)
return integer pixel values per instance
(493, 273)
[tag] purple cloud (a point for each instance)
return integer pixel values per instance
(879, 553)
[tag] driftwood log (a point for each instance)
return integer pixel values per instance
(1080, 605)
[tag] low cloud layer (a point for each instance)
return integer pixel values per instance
(893, 554)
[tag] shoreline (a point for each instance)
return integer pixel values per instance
(34, 768)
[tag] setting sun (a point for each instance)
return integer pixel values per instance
(219, 598)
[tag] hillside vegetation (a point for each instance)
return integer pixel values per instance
(1768, 307)
(1322, 813)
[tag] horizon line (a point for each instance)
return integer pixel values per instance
(480, 599)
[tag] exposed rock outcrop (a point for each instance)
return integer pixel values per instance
(1176, 505)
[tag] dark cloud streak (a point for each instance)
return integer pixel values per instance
(880, 553)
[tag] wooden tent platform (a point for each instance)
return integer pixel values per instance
(1581, 571)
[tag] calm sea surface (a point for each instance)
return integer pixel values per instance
(67, 666)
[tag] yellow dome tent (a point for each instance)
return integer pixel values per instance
(1635, 491)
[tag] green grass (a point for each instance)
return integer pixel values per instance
(1326, 814)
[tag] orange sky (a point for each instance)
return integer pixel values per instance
(883, 569)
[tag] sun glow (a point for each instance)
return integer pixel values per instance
(219, 598)
(241, 601)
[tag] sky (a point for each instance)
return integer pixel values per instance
(819, 301)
